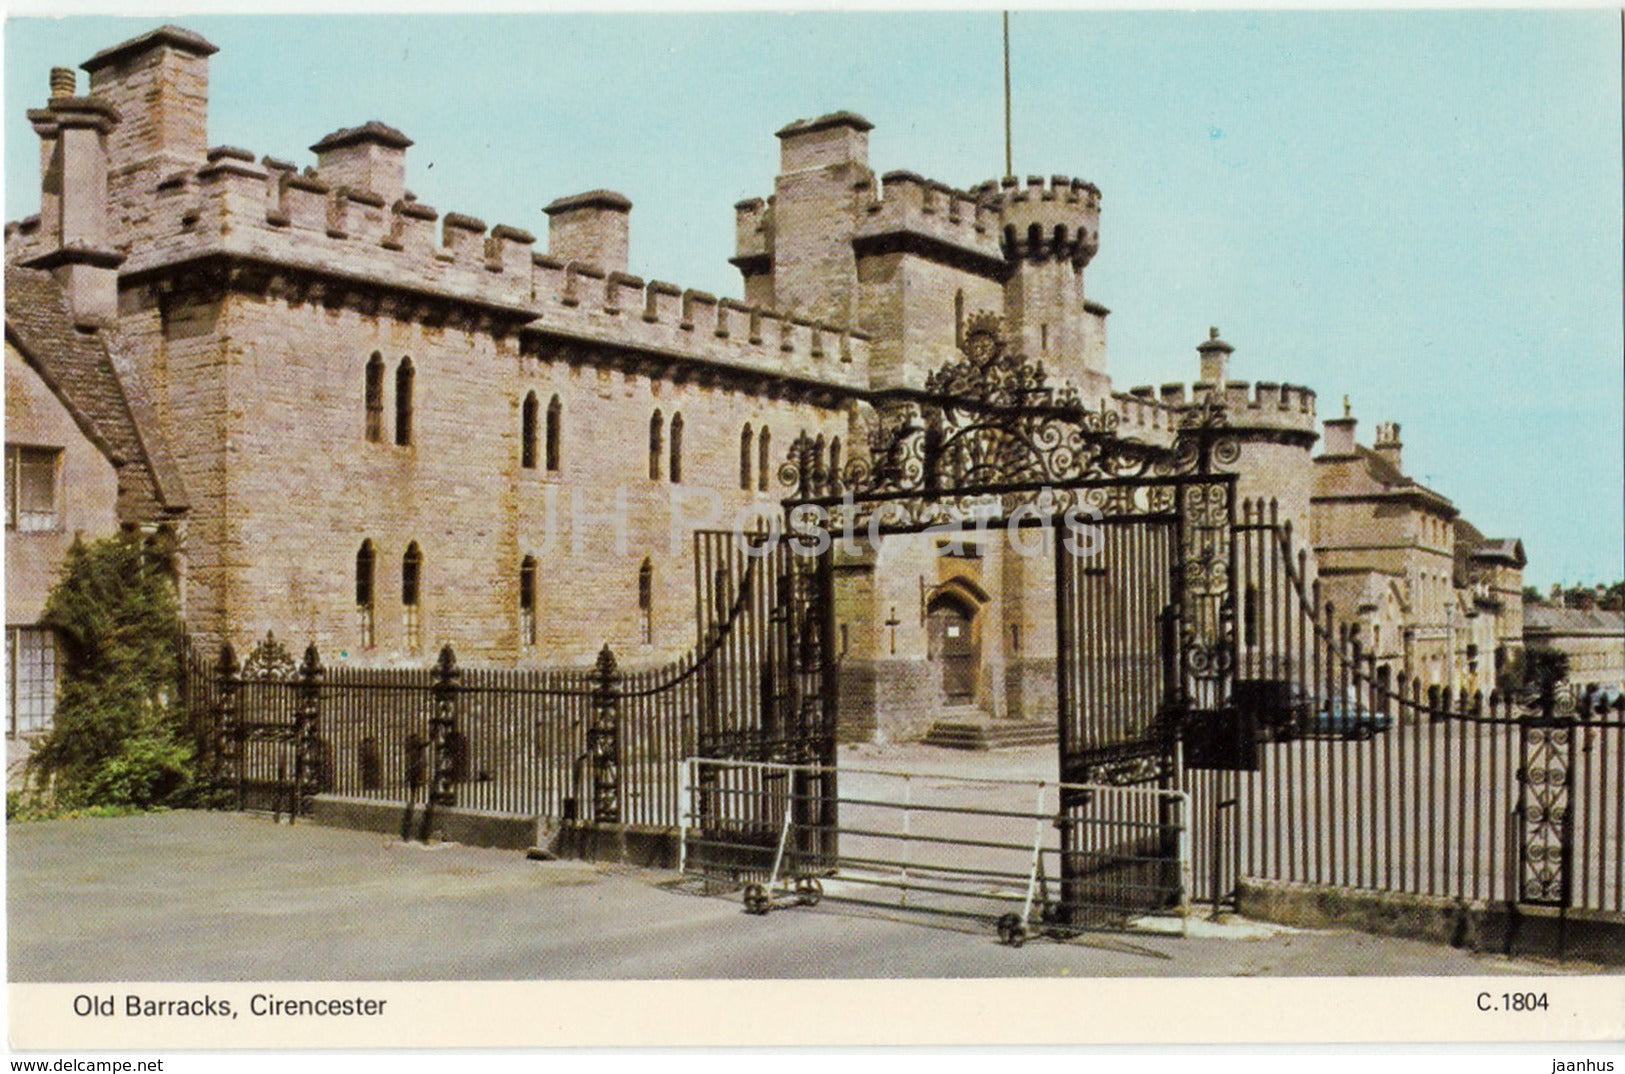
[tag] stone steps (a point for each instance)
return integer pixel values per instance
(960, 734)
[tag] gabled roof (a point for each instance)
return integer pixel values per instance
(101, 391)
(1472, 547)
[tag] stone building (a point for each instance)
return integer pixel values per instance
(84, 459)
(401, 427)
(1592, 638)
(1432, 597)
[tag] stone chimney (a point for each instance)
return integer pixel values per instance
(159, 83)
(591, 227)
(1215, 355)
(831, 140)
(1388, 444)
(77, 249)
(1339, 439)
(371, 157)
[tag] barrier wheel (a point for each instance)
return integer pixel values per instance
(1011, 932)
(809, 890)
(756, 900)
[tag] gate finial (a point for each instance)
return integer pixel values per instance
(311, 668)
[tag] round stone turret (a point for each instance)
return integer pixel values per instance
(1274, 424)
(1058, 221)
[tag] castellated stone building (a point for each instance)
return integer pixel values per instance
(399, 427)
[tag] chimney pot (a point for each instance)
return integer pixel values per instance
(64, 82)
(1387, 444)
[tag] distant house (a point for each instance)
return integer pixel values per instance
(1594, 641)
(1430, 596)
(82, 460)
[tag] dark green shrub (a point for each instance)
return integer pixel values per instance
(117, 738)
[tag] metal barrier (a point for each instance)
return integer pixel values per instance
(1030, 857)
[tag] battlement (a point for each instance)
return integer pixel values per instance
(1054, 221)
(902, 201)
(271, 212)
(1265, 405)
(1142, 416)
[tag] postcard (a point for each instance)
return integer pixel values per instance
(840, 528)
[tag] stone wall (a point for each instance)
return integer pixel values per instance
(87, 490)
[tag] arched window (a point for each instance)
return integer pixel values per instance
(675, 471)
(527, 601)
(744, 457)
(411, 605)
(657, 444)
(365, 561)
(375, 399)
(834, 458)
(527, 431)
(764, 442)
(403, 402)
(959, 318)
(555, 419)
(646, 600)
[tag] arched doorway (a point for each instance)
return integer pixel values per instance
(954, 645)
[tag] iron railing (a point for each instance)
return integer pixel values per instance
(1349, 773)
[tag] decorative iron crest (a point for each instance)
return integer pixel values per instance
(991, 421)
(270, 661)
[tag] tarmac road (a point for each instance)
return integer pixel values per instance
(234, 897)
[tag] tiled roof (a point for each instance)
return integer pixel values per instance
(1366, 474)
(1549, 618)
(101, 391)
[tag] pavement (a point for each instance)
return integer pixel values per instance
(237, 897)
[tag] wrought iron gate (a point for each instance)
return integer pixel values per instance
(1141, 539)
(769, 699)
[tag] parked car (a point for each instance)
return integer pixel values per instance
(1282, 710)
(1344, 718)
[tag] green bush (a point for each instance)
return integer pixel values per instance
(149, 770)
(117, 739)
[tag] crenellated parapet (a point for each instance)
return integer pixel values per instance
(1038, 221)
(1141, 415)
(902, 203)
(271, 213)
(1272, 409)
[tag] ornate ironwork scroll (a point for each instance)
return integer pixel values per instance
(604, 741)
(1207, 622)
(989, 434)
(310, 762)
(1543, 808)
(228, 725)
(444, 737)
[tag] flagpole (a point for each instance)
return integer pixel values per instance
(1009, 167)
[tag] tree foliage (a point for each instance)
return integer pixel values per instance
(117, 738)
(1608, 598)
(1534, 674)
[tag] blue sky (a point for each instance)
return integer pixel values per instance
(1421, 210)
